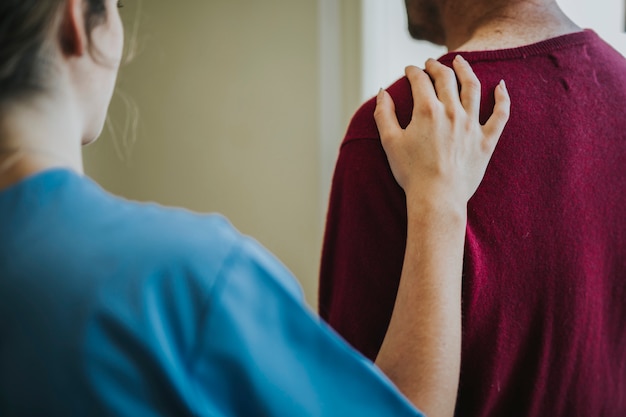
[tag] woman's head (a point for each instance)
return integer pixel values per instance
(43, 42)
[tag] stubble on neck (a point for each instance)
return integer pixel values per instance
(472, 25)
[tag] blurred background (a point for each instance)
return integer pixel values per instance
(229, 113)
(240, 106)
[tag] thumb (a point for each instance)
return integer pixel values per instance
(385, 116)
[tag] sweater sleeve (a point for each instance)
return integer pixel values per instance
(365, 233)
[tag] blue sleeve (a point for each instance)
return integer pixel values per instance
(263, 353)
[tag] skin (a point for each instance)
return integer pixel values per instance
(474, 25)
(439, 160)
(72, 111)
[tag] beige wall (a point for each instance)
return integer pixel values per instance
(227, 92)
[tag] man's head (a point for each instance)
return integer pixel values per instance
(425, 20)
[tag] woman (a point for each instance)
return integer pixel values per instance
(109, 307)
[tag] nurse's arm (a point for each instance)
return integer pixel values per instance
(439, 161)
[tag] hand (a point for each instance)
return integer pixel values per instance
(444, 150)
(439, 160)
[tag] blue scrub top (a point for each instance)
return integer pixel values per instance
(116, 308)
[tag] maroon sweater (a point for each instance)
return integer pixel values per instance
(544, 283)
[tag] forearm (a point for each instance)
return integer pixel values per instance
(439, 161)
(422, 348)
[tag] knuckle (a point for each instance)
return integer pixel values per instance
(428, 108)
(453, 113)
(503, 111)
(437, 69)
(472, 85)
(444, 75)
(448, 72)
(412, 73)
(387, 138)
(487, 145)
(468, 124)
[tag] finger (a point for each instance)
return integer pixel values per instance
(501, 112)
(385, 116)
(470, 86)
(424, 97)
(445, 83)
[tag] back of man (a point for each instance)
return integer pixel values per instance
(544, 317)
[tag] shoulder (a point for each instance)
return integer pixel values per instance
(363, 126)
(609, 64)
(203, 247)
(131, 239)
(136, 248)
(159, 232)
(178, 262)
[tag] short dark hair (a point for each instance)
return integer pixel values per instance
(24, 25)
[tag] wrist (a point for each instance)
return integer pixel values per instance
(438, 206)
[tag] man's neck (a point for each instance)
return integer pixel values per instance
(511, 26)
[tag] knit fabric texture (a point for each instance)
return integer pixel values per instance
(544, 281)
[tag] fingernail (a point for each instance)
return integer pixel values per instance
(460, 58)
(380, 95)
(503, 85)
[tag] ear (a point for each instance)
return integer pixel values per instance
(72, 30)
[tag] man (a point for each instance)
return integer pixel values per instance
(544, 285)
